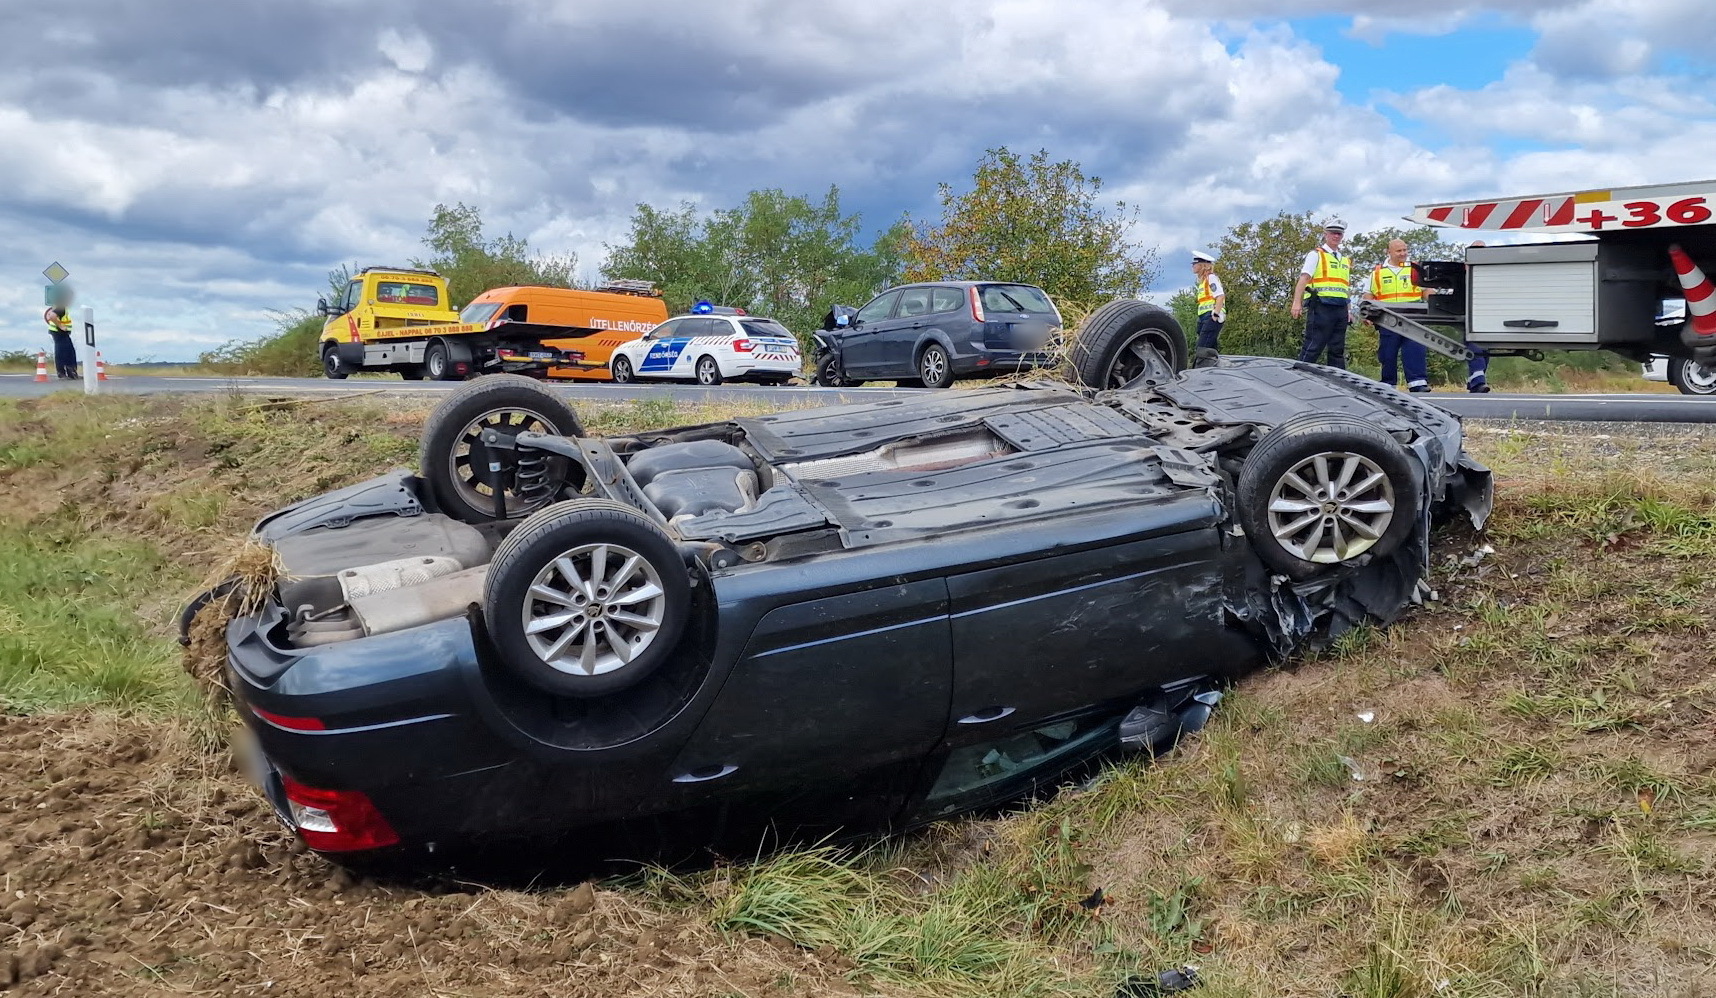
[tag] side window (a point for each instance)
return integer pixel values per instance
(879, 308)
(947, 299)
(354, 294)
(517, 313)
(914, 301)
(666, 329)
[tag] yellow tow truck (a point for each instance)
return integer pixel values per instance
(397, 319)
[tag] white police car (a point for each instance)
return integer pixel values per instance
(709, 346)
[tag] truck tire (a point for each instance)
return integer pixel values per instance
(1691, 378)
(586, 598)
(1324, 489)
(1110, 350)
(453, 461)
(332, 367)
(438, 362)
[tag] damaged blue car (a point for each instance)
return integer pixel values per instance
(862, 616)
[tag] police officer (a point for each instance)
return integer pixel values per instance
(58, 318)
(1392, 284)
(1323, 295)
(1212, 309)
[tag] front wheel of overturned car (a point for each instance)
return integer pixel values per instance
(586, 598)
(1128, 341)
(1325, 489)
(1691, 378)
(456, 463)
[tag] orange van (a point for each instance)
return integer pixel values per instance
(588, 325)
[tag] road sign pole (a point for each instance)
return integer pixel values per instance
(90, 385)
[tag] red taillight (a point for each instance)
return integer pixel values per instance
(336, 820)
(290, 723)
(742, 346)
(976, 306)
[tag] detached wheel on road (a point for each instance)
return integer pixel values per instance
(332, 366)
(586, 598)
(1127, 342)
(438, 362)
(621, 371)
(454, 461)
(934, 369)
(708, 372)
(1691, 378)
(1324, 489)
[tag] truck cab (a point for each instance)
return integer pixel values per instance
(376, 301)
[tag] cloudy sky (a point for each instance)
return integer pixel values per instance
(195, 163)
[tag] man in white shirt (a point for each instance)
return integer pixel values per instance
(1212, 309)
(1323, 295)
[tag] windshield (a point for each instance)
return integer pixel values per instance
(765, 327)
(479, 311)
(1016, 298)
(406, 293)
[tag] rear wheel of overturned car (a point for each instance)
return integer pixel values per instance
(455, 462)
(621, 371)
(1325, 489)
(332, 366)
(1126, 342)
(1692, 378)
(586, 598)
(934, 370)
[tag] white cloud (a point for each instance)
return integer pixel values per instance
(190, 187)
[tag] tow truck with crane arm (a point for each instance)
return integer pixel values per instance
(1631, 249)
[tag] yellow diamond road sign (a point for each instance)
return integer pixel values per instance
(56, 273)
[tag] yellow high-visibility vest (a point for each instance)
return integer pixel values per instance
(1333, 278)
(1389, 285)
(58, 323)
(1206, 300)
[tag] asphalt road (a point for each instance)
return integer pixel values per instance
(1639, 408)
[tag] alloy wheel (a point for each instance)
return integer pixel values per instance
(594, 609)
(1331, 507)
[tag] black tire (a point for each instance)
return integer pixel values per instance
(438, 362)
(828, 374)
(935, 370)
(332, 366)
(1690, 378)
(1102, 354)
(456, 470)
(1295, 446)
(529, 558)
(708, 371)
(411, 372)
(620, 369)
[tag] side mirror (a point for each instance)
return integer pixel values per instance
(322, 307)
(840, 317)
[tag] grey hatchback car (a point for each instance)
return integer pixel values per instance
(936, 332)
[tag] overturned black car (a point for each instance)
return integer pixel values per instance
(869, 615)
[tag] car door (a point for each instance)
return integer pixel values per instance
(827, 690)
(860, 355)
(1041, 640)
(700, 334)
(897, 340)
(666, 343)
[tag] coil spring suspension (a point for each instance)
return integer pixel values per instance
(531, 481)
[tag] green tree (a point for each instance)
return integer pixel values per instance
(776, 254)
(1034, 221)
(1258, 263)
(473, 263)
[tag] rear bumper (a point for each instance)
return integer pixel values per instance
(999, 362)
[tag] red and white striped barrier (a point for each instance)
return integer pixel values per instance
(1700, 293)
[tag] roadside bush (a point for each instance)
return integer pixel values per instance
(290, 352)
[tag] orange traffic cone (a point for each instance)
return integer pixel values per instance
(41, 365)
(100, 367)
(1700, 293)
